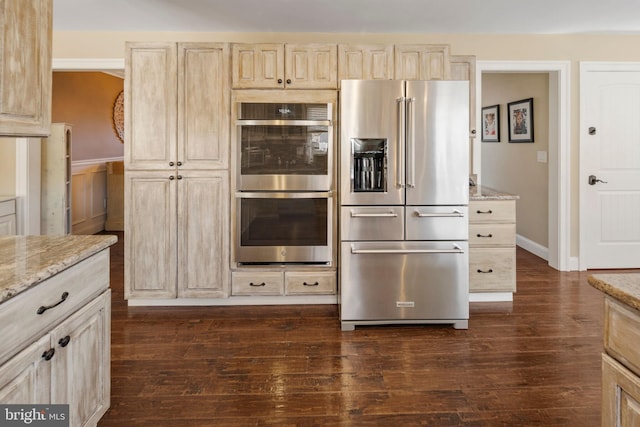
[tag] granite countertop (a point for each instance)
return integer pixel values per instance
(480, 192)
(624, 287)
(26, 261)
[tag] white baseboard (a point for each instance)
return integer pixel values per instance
(490, 296)
(533, 247)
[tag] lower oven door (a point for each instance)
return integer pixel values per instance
(284, 227)
(386, 281)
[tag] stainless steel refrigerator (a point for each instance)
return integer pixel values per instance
(404, 170)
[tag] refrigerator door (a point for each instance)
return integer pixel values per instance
(385, 282)
(371, 142)
(437, 143)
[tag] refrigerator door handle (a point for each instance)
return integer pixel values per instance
(402, 137)
(456, 250)
(411, 147)
(456, 213)
(374, 215)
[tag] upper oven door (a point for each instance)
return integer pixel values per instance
(284, 146)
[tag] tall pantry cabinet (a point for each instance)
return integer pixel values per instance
(176, 170)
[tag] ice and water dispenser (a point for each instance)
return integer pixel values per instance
(369, 164)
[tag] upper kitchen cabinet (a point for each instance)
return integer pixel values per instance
(177, 108)
(422, 62)
(25, 67)
(463, 67)
(365, 62)
(278, 66)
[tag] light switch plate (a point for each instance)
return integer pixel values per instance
(542, 157)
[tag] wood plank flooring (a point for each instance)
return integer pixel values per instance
(535, 361)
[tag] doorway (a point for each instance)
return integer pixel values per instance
(558, 252)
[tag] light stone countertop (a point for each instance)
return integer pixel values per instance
(26, 261)
(624, 287)
(480, 192)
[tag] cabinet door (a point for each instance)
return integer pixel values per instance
(422, 62)
(150, 235)
(25, 378)
(259, 66)
(203, 238)
(8, 225)
(620, 394)
(80, 369)
(365, 62)
(311, 66)
(150, 105)
(25, 67)
(203, 105)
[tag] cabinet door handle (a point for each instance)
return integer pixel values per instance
(279, 81)
(288, 81)
(171, 163)
(484, 212)
(64, 341)
(257, 285)
(48, 355)
(179, 176)
(484, 235)
(44, 308)
(310, 284)
(171, 178)
(485, 271)
(179, 163)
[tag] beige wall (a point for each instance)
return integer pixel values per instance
(513, 167)
(7, 166)
(573, 48)
(85, 100)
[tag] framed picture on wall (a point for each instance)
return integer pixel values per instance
(491, 123)
(520, 120)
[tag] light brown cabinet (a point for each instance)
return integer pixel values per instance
(365, 62)
(8, 217)
(492, 246)
(279, 66)
(61, 355)
(176, 170)
(55, 180)
(277, 283)
(620, 365)
(422, 62)
(25, 67)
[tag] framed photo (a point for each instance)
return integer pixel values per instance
(521, 120)
(491, 123)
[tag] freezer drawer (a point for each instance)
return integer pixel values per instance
(437, 222)
(386, 282)
(372, 223)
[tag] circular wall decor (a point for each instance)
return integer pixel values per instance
(118, 116)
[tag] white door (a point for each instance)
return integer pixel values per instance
(610, 155)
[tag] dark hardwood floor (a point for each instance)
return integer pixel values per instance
(535, 361)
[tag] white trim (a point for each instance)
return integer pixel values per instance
(490, 296)
(82, 64)
(530, 246)
(590, 67)
(559, 148)
(91, 162)
(237, 300)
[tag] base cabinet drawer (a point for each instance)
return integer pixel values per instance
(492, 211)
(492, 235)
(310, 284)
(492, 270)
(257, 283)
(622, 333)
(620, 394)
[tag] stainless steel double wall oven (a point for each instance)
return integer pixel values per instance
(284, 170)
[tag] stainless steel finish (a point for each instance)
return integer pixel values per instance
(437, 223)
(371, 223)
(281, 254)
(404, 251)
(391, 281)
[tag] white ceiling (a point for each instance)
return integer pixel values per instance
(350, 16)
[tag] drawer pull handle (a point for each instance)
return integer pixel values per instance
(44, 308)
(64, 341)
(485, 271)
(48, 355)
(484, 235)
(257, 285)
(310, 284)
(484, 212)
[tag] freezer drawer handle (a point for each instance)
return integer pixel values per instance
(485, 271)
(456, 250)
(456, 213)
(374, 215)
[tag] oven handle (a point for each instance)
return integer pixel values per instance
(457, 250)
(283, 195)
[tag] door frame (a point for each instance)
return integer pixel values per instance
(585, 68)
(559, 215)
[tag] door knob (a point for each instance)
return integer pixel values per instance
(593, 180)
